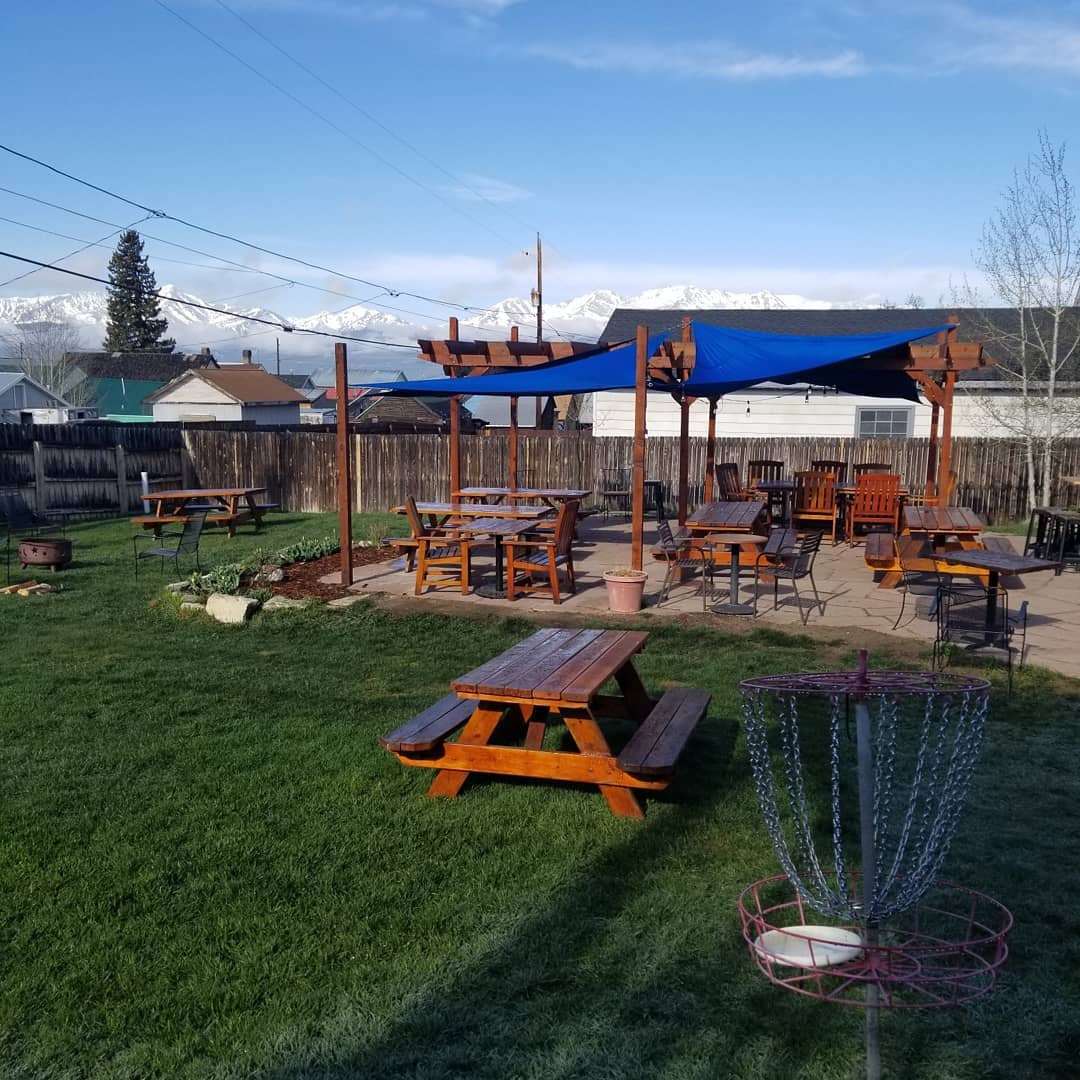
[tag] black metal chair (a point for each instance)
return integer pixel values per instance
(791, 564)
(20, 521)
(684, 557)
(962, 623)
(615, 491)
(928, 586)
(187, 543)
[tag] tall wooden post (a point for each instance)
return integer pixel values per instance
(931, 453)
(455, 425)
(344, 470)
(710, 452)
(637, 483)
(513, 427)
(945, 459)
(684, 434)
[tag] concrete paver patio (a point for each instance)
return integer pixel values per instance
(852, 598)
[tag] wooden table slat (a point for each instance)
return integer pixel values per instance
(465, 509)
(553, 687)
(719, 516)
(468, 682)
(524, 673)
(604, 667)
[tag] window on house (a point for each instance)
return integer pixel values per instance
(884, 423)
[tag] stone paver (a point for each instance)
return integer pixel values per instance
(851, 596)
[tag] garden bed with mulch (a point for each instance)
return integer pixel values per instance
(302, 578)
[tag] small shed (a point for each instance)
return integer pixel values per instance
(24, 400)
(234, 392)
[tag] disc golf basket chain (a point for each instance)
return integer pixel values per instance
(893, 935)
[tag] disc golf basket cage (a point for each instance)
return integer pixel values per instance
(862, 777)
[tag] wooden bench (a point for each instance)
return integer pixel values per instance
(266, 506)
(879, 552)
(427, 731)
(654, 748)
(150, 520)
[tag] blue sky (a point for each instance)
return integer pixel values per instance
(839, 150)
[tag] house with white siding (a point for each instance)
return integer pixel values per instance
(771, 410)
(231, 392)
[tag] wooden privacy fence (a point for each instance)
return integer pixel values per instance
(298, 467)
(95, 468)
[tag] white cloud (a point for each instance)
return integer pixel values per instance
(471, 11)
(700, 60)
(477, 188)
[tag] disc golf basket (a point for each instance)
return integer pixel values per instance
(883, 760)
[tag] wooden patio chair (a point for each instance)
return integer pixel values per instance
(876, 502)
(869, 467)
(837, 468)
(728, 485)
(536, 557)
(815, 499)
(442, 558)
(763, 470)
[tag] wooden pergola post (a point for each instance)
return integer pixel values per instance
(931, 453)
(455, 425)
(945, 459)
(637, 482)
(513, 428)
(710, 452)
(684, 433)
(344, 471)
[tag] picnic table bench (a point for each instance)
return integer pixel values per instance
(555, 672)
(227, 507)
(880, 555)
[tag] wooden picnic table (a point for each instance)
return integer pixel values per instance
(555, 672)
(498, 528)
(224, 506)
(726, 517)
(940, 522)
(552, 497)
(439, 512)
(996, 563)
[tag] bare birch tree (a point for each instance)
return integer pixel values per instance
(42, 349)
(1029, 253)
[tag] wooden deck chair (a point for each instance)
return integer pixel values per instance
(728, 485)
(442, 558)
(543, 557)
(815, 499)
(876, 502)
(869, 467)
(837, 468)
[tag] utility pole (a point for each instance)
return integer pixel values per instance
(538, 300)
(277, 349)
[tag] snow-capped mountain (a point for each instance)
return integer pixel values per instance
(582, 316)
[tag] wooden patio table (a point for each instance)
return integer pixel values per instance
(940, 522)
(552, 497)
(726, 517)
(553, 672)
(497, 528)
(227, 506)
(996, 563)
(439, 512)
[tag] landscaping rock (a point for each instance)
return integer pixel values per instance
(179, 586)
(230, 609)
(283, 603)
(274, 575)
(344, 601)
(191, 605)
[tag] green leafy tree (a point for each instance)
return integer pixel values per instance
(135, 320)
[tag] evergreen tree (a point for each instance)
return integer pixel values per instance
(135, 320)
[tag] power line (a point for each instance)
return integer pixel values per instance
(372, 119)
(207, 307)
(330, 123)
(231, 239)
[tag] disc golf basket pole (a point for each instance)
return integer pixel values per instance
(897, 937)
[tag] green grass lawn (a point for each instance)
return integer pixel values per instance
(210, 868)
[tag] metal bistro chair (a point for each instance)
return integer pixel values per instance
(684, 556)
(791, 563)
(187, 543)
(961, 622)
(20, 521)
(615, 491)
(837, 468)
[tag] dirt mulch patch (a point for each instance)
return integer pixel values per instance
(302, 578)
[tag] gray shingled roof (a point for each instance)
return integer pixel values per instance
(143, 366)
(624, 322)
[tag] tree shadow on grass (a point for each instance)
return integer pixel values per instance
(610, 976)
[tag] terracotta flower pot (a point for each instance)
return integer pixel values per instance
(625, 589)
